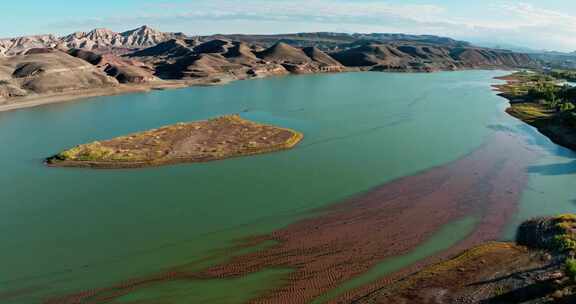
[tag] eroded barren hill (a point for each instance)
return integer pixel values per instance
(143, 59)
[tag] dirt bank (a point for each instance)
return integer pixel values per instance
(44, 99)
(489, 273)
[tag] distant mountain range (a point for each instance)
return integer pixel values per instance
(105, 40)
(329, 41)
(102, 40)
(144, 57)
(98, 39)
(15, 46)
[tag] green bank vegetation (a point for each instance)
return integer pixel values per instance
(565, 241)
(545, 92)
(568, 75)
(545, 102)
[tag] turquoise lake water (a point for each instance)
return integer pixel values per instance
(64, 230)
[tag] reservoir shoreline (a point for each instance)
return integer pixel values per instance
(534, 112)
(45, 99)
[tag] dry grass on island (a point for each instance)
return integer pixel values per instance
(214, 139)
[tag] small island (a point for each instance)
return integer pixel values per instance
(214, 139)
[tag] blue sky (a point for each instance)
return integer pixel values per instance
(543, 24)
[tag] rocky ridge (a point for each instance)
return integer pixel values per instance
(101, 39)
(14, 46)
(104, 39)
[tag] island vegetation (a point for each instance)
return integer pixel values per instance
(208, 140)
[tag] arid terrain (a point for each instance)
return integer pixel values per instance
(43, 69)
(213, 139)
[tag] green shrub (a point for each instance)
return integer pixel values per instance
(567, 106)
(565, 243)
(570, 265)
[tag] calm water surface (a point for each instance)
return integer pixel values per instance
(64, 230)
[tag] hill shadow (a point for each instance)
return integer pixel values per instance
(554, 169)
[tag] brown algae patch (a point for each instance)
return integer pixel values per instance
(208, 140)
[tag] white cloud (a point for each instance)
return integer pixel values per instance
(295, 9)
(513, 22)
(528, 15)
(535, 26)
